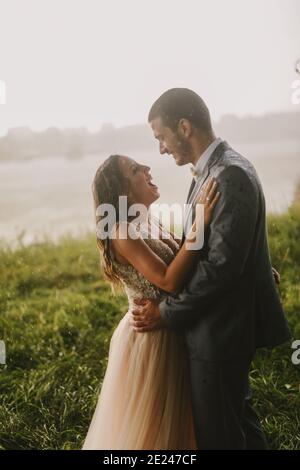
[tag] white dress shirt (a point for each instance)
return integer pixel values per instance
(197, 171)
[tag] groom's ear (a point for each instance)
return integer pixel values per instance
(185, 128)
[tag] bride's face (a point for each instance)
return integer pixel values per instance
(140, 189)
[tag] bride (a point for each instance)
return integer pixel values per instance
(145, 397)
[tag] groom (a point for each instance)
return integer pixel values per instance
(230, 305)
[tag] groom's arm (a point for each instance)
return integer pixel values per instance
(231, 235)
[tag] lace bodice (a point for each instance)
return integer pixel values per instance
(135, 284)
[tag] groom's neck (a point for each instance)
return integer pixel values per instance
(200, 145)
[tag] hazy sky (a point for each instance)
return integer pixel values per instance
(85, 62)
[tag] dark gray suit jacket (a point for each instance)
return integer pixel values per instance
(230, 306)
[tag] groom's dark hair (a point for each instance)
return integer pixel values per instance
(181, 103)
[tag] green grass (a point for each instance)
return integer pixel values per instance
(57, 317)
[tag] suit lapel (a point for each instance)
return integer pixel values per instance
(196, 188)
(191, 189)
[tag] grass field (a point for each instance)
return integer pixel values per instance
(57, 317)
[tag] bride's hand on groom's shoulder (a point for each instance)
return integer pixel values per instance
(146, 315)
(209, 196)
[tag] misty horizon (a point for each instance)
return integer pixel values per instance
(104, 123)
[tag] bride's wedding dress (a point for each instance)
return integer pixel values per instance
(145, 397)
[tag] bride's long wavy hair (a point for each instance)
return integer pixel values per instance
(108, 184)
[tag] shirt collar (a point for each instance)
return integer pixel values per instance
(198, 169)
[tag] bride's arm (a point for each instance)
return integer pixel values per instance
(168, 278)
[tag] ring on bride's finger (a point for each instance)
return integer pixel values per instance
(208, 198)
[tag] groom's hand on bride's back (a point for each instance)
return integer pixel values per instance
(146, 315)
(276, 276)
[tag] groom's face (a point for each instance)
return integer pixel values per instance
(172, 143)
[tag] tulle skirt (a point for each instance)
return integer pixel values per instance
(145, 400)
